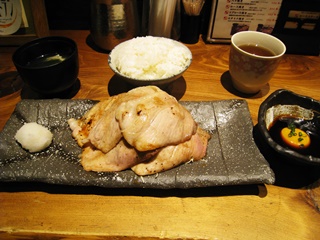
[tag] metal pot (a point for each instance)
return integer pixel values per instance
(113, 21)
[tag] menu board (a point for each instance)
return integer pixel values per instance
(10, 16)
(231, 16)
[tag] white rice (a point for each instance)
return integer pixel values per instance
(149, 58)
(34, 137)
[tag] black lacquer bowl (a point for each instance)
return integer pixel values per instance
(48, 65)
(286, 97)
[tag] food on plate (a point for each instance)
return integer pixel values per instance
(145, 125)
(34, 137)
(174, 155)
(150, 58)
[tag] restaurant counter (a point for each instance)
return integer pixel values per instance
(287, 209)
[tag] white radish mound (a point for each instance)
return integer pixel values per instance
(34, 137)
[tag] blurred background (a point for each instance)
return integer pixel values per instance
(300, 33)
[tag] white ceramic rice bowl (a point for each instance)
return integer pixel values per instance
(168, 60)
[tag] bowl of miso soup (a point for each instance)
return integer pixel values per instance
(48, 65)
(290, 124)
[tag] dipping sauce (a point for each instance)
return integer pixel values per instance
(281, 130)
(257, 50)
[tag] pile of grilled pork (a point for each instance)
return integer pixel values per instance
(145, 129)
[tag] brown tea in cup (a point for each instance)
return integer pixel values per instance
(257, 50)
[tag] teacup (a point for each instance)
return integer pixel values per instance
(254, 58)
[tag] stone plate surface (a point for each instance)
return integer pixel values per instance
(232, 156)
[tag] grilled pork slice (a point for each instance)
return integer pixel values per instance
(82, 127)
(154, 121)
(105, 134)
(174, 155)
(99, 125)
(121, 157)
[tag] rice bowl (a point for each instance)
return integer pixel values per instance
(150, 60)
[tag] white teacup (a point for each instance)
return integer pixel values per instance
(251, 68)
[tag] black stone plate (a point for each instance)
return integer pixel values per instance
(232, 156)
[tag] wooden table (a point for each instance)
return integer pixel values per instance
(281, 211)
